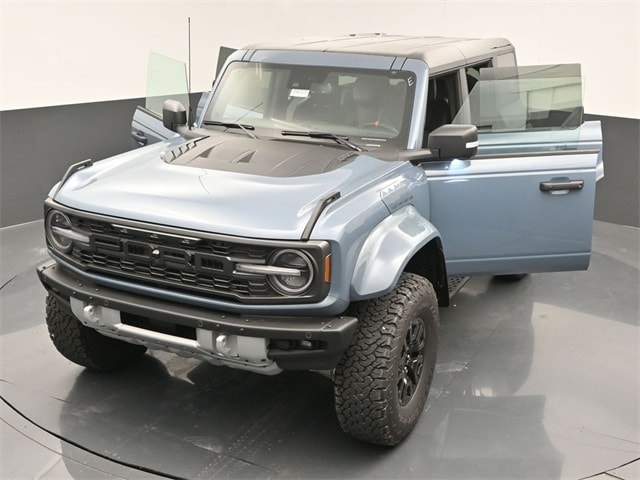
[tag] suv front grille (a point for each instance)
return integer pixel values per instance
(185, 260)
(178, 276)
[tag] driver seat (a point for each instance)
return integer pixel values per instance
(368, 96)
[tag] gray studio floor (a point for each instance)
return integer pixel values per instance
(535, 379)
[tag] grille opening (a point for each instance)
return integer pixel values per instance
(105, 242)
(158, 326)
(221, 248)
(210, 263)
(137, 250)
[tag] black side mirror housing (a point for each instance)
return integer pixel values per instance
(454, 141)
(174, 115)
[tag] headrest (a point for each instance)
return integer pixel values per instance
(370, 88)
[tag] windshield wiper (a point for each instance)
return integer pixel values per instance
(341, 139)
(243, 127)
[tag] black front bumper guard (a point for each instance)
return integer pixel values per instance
(333, 334)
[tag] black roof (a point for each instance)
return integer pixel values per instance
(437, 52)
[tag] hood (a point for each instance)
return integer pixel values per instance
(233, 185)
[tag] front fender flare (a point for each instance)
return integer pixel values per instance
(387, 250)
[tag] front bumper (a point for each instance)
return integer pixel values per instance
(292, 342)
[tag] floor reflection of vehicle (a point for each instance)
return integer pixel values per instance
(487, 428)
(212, 424)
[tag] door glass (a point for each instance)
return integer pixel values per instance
(522, 99)
(473, 74)
(166, 79)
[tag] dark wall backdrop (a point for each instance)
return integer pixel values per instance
(618, 193)
(37, 145)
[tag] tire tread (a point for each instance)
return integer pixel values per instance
(363, 390)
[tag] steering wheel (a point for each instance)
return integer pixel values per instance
(383, 126)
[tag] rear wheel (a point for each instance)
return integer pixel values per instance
(85, 346)
(383, 378)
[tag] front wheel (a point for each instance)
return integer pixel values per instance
(383, 379)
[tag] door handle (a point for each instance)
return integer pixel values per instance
(561, 185)
(139, 137)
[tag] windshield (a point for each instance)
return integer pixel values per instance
(370, 107)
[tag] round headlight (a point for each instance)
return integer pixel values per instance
(56, 225)
(302, 272)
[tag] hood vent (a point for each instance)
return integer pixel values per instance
(172, 154)
(244, 157)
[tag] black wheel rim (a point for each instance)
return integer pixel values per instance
(411, 361)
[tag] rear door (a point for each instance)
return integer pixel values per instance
(525, 202)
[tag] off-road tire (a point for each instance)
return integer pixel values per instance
(367, 379)
(85, 346)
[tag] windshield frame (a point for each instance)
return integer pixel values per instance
(345, 66)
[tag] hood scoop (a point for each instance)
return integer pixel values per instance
(266, 157)
(244, 157)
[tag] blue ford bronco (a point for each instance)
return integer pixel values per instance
(313, 213)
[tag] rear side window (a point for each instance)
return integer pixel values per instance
(473, 74)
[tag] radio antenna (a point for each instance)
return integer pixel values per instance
(189, 73)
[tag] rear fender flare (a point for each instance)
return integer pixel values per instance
(387, 250)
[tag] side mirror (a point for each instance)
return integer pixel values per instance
(174, 115)
(454, 141)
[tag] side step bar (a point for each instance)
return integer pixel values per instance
(455, 284)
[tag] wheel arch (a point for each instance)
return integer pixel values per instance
(428, 262)
(403, 241)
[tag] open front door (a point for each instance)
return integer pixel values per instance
(166, 79)
(525, 202)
